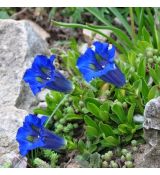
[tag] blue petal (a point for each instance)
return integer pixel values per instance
(43, 120)
(84, 64)
(32, 119)
(115, 77)
(42, 61)
(52, 58)
(51, 140)
(59, 83)
(30, 77)
(101, 48)
(104, 51)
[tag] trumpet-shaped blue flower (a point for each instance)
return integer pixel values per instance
(43, 74)
(33, 135)
(98, 61)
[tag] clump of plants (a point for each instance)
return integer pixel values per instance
(93, 113)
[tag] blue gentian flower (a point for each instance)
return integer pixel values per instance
(43, 74)
(98, 62)
(33, 135)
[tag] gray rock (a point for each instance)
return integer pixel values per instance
(19, 43)
(151, 157)
(11, 119)
(138, 118)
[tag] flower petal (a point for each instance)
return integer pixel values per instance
(51, 140)
(115, 77)
(41, 61)
(59, 83)
(104, 50)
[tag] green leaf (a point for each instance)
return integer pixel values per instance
(142, 68)
(95, 11)
(131, 113)
(90, 122)
(74, 25)
(110, 141)
(92, 100)
(125, 128)
(155, 75)
(105, 106)
(124, 21)
(93, 109)
(140, 21)
(106, 129)
(146, 35)
(73, 117)
(154, 92)
(4, 15)
(91, 131)
(145, 90)
(118, 110)
(104, 115)
(81, 146)
(137, 87)
(118, 32)
(42, 111)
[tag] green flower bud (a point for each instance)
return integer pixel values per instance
(56, 124)
(124, 151)
(132, 69)
(85, 110)
(66, 104)
(110, 153)
(134, 143)
(70, 110)
(105, 164)
(59, 127)
(123, 158)
(107, 93)
(55, 117)
(103, 157)
(70, 126)
(149, 54)
(129, 164)
(70, 99)
(7, 165)
(114, 165)
(107, 157)
(155, 51)
(66, 130)
(129, 156)
(62, 120)
(155, 58)
(150, 60)
(75, 125)
(81, 103)
(118, 152)
(149, 49)
(124, 105)
(140, 55)
(135, 149)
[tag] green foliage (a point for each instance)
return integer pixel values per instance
(89, 160)
(39, 163)
(52, 157)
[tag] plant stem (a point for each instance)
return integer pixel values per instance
(74, 25)
(132, 22)
(54, 111)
